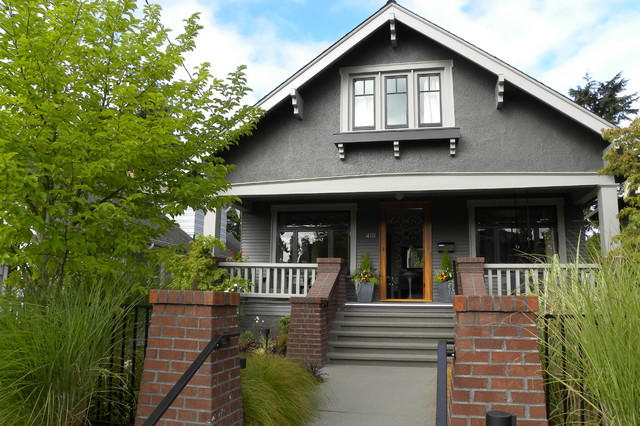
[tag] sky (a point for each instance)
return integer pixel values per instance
(553, 41)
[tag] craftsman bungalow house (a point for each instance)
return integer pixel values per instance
(401, 140)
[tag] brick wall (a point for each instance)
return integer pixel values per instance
(183, 323)
(497, 363)
(313, 315)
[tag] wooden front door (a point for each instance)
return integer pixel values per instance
(405, 251)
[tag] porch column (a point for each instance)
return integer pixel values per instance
(608, 216)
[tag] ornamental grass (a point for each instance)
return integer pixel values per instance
(592, 354)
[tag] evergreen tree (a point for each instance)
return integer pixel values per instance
(605, 98)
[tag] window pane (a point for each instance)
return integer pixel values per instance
(363, 112)
(402, 84)
(434, 82)
(391, 85)
(312, 245)
(340, 245)
(363, 103)
(429, 100)
(430, 108)
(284, 246)
(396, 102)
(368, 86)
(397, 110)
(358, 87)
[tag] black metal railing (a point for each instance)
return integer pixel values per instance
(218, 342)
(118, 390)
(445, 350)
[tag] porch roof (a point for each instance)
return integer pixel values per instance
(419, 183)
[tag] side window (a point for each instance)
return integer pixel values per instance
(364, 103)
(396, 113)
(429, 100)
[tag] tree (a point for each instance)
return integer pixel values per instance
(623, 159)
(605, 99)
(100, 144)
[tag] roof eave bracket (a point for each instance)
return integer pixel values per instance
(392, 28)
(296, 102)
(500, 91)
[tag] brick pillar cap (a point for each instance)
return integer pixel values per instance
(463, 303)
(470, 260)
(194, 297)
(325, 260)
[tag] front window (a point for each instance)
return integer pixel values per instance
(397, 96)
(515, 234)
(303, 237)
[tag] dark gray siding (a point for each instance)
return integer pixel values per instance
(256, 234)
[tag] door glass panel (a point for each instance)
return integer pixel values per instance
(404, 241)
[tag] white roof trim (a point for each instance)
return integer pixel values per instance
(447, 39)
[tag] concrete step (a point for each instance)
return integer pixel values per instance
(381, 359)
(384, 348)
(389, 333)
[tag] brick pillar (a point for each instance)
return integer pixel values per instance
(183, 323)
(497, 363)
(470, 271)
(313, 315)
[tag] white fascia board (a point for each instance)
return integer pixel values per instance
(419, 182)
(447, 39)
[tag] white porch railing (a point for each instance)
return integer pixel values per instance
(282, 280)
(506, 279)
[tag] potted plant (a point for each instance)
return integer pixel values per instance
(364, 279)
(445, 278)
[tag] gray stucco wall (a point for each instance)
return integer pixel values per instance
(525, 136)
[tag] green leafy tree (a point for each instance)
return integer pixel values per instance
(100, 143)
(623, 160)
(605, 98)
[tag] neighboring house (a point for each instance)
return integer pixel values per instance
(401, 140)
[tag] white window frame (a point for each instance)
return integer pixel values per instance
(558, 203)
(351, 208)
(412, 70)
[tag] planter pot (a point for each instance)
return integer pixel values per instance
(366, 292)
(445, 291)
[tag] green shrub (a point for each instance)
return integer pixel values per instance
(594, 351)
(277, 391)
(54, 349)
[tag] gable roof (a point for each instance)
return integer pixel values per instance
(393, 11)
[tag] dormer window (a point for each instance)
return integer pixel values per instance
(397, 96)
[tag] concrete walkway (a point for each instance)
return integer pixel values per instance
(357, 395)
